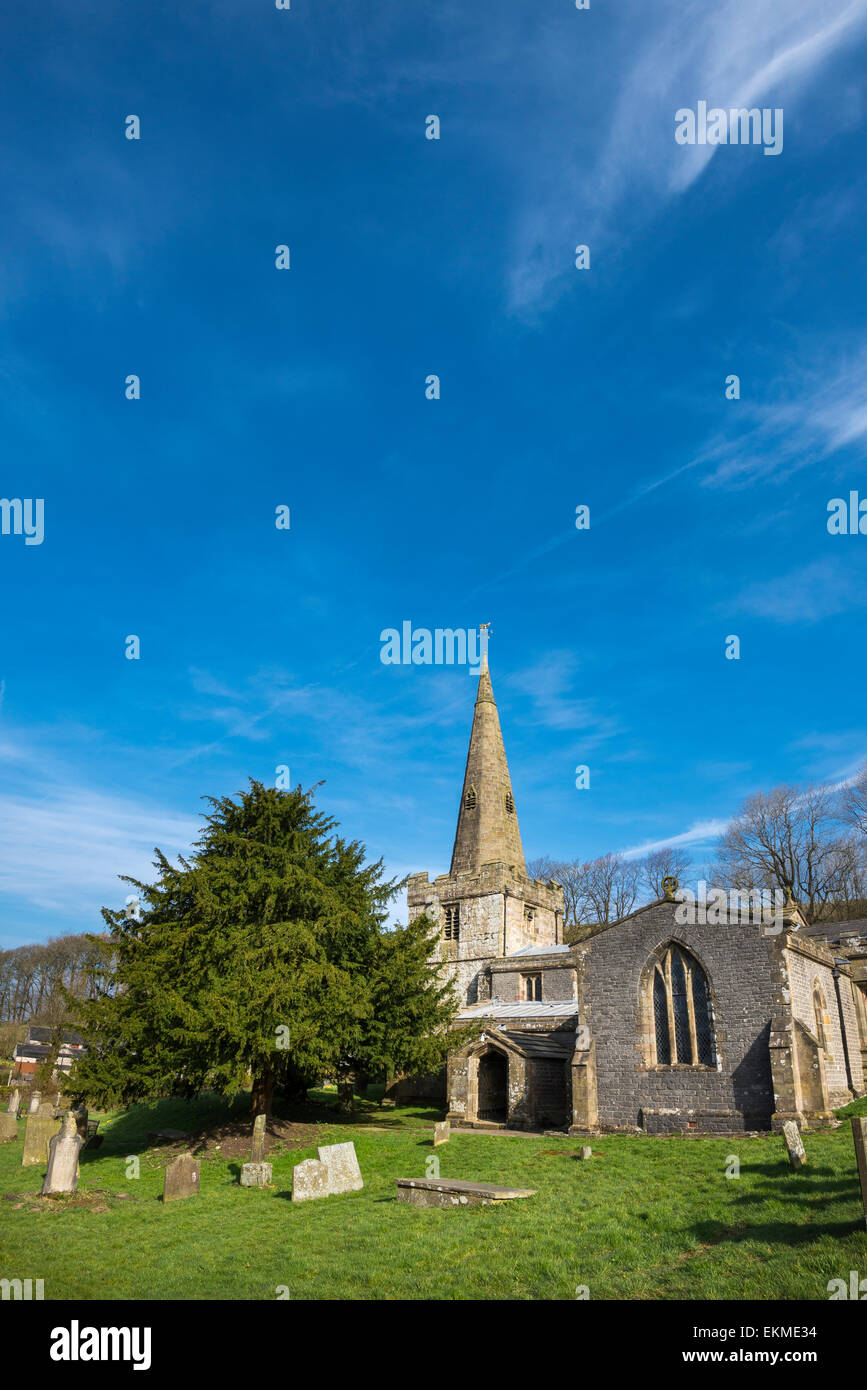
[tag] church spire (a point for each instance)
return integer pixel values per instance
(487, 821)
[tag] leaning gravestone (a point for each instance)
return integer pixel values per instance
(14, 1102)
(442, 1133)
(182, 1178)
(344, 1174)
(63, 1151)
(794, 1144)
(859, 1135)
(38, 1133)
(309, 1180)
(258, 1151)
(8, 1128)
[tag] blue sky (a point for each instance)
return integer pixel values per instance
(306, 388)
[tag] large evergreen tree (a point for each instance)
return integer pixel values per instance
(263, 954)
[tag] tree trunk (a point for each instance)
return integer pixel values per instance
(263, 1090)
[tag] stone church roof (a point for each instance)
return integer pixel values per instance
(487, 821)
(551, 1008)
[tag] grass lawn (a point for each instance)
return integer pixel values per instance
(645, 1218)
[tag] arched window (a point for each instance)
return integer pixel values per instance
(510, 803)
(470, 799)
(682, 1020)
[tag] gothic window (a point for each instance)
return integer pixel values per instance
(470, 799)
(453, 922)
(532, 987)
(682, 1019)
(510, 803)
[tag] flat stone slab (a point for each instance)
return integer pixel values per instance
(437, 1192)
(166, 1136)
(256, 1174)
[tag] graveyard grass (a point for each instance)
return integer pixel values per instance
(644, 1218)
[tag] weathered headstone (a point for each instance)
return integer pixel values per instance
(258, 1152)
(14, 1102)
(585, 1151)
(35, 1102)
(309, 1179)
(182, 1178)
(8, 1127)
(256, 1174)
(442, 1132)
(859, 1135)
(38, 1133)
(344, 1174)
(794, 1144)
(62, 1175)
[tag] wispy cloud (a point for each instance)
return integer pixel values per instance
(806, 594)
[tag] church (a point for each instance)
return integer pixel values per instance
(653, 1024)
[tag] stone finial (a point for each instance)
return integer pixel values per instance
(669, 888)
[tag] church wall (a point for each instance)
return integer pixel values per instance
(804, 973)
(745, 986)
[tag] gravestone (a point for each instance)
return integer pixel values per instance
(35, 1102)
(344, 1174)
(14, 1102)
(309, 1180)
(859, 1135)
(442, 1133)
(38, 1133)
(258, 1152)
(182, 1178)
(794, 1145)
(585, 1151)
(256, 1175)
(8, 1127)
(62, 1175)
(431, 1192)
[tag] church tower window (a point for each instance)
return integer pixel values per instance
(681, 1007)
(470, 799)
(510, 804)
(453, 922)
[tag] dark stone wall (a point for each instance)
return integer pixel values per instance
(741, 966)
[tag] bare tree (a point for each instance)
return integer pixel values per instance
(786, 836)
(853, 799)
(610, 888)
(668, 862)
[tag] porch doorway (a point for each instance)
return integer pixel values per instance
(493, 1088)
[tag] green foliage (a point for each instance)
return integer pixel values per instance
(264, 954)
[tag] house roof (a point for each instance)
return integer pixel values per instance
(37, 1034)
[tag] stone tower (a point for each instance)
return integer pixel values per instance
(486, 906)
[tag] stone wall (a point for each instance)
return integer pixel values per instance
(806, 972)
(740, 964)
